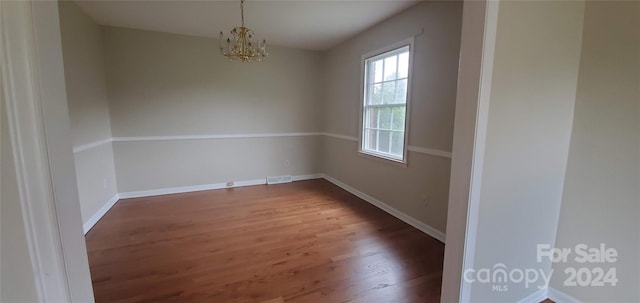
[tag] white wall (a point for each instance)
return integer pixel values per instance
(88, 108)
(533, 89)
(420, 189)
(174, 85)
(601, 192)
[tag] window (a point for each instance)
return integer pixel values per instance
(384, 111)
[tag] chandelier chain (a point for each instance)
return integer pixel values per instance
(242, 11)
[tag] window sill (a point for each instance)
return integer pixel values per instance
(383, 159)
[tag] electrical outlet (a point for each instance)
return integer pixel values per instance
(287, 163)
(230, 184)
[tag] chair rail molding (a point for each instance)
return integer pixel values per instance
(90, 145)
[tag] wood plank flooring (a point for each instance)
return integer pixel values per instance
(306, 241)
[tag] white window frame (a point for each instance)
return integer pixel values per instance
(363, 95)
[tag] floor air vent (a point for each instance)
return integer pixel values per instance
(279, 179)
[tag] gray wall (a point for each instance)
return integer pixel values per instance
(421, 188)
(88, 107)
(174, 85)
(602, 187)
(533, 90)
(162, 90)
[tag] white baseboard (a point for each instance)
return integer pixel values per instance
(184, 189)
(535, 297)
(561, 297)
(307, 177)
(438, 235)
(99, 214)
(187, 189)
(175, 190)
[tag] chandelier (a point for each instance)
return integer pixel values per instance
(238, 46)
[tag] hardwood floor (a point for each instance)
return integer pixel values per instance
(306, 241)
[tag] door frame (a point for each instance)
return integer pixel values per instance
(475, 73)
(34, 95)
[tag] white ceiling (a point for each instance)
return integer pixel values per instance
(306, 24)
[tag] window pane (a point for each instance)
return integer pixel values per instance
(371, 118)
(398, 118)
(388, 92)
(390, 71)
(384, 139)
(401, 92)
(377, 71)
(403, 65)
(369, 138)
(397, 142)
(376, 94)
(385, 118)
(369, 73)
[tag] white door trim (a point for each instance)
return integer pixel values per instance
(30, 52)
(479, 27)
(22, 100)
